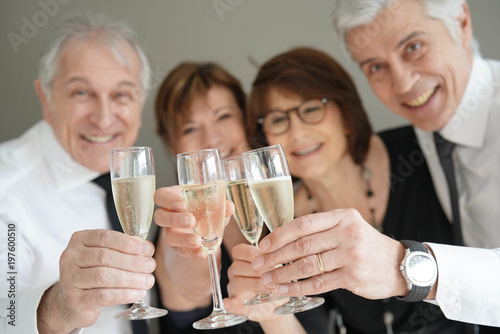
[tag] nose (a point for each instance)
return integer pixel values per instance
(403, 77)
(211, 137)
(102, 115)
(297, 127)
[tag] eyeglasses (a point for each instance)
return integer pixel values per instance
(277, 121)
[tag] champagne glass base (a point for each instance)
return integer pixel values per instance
(140, 311)
(301, 304)
(220, 320)
(263, 297)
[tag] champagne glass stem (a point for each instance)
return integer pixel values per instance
(214, 279)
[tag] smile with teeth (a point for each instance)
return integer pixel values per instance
(98, 139)
(422, 99)
(307, 150)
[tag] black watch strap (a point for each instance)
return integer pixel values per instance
(417, 293)
(414, 246)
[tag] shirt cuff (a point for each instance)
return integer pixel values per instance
(468, 288)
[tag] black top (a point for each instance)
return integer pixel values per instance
(413, 213)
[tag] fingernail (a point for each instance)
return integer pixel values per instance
(266, 278)
(193, 240)
(186, 220)
(283, 289)
(264, 244)
(148, 281)
(151, 265)
(145, 248)
(258, 262)
(180, 205)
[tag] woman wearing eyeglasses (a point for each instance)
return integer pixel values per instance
(305, 101)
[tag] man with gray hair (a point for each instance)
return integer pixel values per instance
(68, 269)
(419, 59)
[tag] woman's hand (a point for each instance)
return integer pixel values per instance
(178, 224)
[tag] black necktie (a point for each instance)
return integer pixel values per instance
(104, 181)
(444, 149)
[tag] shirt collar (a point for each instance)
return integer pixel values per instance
(468, 125)
(65, 171)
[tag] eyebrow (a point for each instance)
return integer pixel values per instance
(400, 44)
(85, 81)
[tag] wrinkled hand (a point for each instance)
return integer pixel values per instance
(98, 268)
(355, 256)
(178, 223)
(244, 282)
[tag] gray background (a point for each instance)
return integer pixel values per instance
(174, 31)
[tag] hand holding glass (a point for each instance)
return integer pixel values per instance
(203, 187)
(271, 186)
(246, 215)
(133, 183)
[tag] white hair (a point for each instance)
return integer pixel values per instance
(91, 27)
(349, 14)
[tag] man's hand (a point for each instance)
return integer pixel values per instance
(355, 256)
(178, 223)
(98, 268)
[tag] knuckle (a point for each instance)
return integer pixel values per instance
(102, 296)
(319, 284)
(306, 266)
(271, 258)
(304, 224)
(103, 237)
(103, 257)
(304, 244)
(101, 277)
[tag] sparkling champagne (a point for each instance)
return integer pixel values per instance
(246, 213)
(207, 203)
(134, 203)
(274, 198)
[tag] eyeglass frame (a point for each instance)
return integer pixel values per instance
(323, 101)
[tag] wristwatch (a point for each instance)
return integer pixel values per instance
(419, 270)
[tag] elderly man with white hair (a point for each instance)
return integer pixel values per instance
(71, 270)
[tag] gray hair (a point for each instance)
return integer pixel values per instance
(88, 27)
(349, 14)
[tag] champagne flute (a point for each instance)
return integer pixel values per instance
(246, 215)
(271, 187)
(203, 188)
(133, 184)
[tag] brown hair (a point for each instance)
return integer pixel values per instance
(182, 85)
(310, 74)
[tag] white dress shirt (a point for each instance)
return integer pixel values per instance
(47, 196)
(469, 278)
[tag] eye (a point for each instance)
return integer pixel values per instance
(277, 119)
(413, 47)
(311, 110)
(375, 68)
(224, 116)
(123, 96)
(188, 131)
(80, 93)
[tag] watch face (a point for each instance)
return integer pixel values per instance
(421, 270)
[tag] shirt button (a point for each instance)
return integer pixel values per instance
(456, 307)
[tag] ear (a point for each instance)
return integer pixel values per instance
(465, 32)
(46, 106)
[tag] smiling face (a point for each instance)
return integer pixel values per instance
(311, 149)
(413, 64)
(214, 121)
(96, 102)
